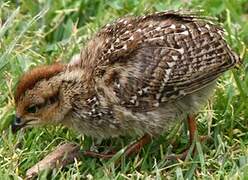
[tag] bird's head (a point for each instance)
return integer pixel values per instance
(38, 97)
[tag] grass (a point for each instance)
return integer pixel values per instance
(41, 32)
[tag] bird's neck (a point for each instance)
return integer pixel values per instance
(77, 86)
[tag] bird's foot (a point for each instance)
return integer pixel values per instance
(131, 149)
(192, 137)
(182, 156)
(138, 145)
(99, 155)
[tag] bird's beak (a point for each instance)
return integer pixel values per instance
(17, 124)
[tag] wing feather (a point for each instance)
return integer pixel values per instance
(162, 57)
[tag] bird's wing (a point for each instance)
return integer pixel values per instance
(162, 57)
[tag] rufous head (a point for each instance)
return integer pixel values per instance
(37, 97)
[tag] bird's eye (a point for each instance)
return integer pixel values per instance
(32, 109)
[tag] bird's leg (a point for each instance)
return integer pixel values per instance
(98, 155)
(192, 130)
(131, 149)
(136, 147)
(192, 127)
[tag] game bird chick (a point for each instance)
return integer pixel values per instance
(137, 76)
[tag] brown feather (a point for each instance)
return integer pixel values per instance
(29, 79)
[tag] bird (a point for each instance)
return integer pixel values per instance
(137, 76)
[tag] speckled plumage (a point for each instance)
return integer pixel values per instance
(142, 74)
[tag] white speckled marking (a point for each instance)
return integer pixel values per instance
(207, 26)
(171, 64)
(158, 28)
(183, 26)
(174, 58)
(173, 26)
(125, 47)
(185, 33)
(181, 50)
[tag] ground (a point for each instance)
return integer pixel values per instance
(41, 32)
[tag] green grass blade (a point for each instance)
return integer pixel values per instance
(7, 52)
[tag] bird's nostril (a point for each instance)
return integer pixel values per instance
(17, 120)
(17, 124)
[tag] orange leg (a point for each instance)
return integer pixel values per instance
(192, 127)
(192, 130)
(137, 146)
(98, 155)
(131, 149)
